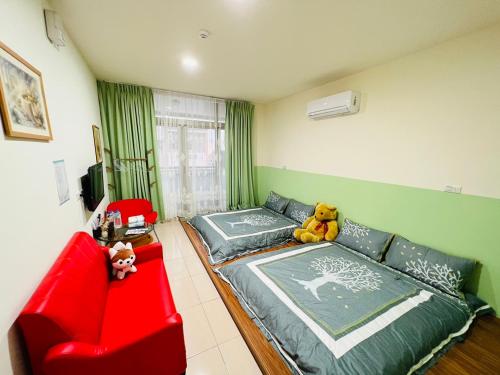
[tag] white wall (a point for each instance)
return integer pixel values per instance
(427, 120)
(34, 227)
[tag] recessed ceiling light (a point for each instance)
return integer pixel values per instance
(190, 63)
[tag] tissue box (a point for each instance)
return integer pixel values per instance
(136, 221)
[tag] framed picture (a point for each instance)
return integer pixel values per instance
(97, 143)
(22, 98)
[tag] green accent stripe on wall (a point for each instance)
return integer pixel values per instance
(463, 225)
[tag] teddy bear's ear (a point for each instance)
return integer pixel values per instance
(119, 246)
(128, 246)
(331, 207)
(112, 252)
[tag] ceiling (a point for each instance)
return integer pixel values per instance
(258, 50)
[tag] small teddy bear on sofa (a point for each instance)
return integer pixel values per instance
(322, 226)
(122, 259)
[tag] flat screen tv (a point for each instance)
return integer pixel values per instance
(93, 187)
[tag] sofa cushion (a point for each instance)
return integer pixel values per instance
(137, 305)
(73, 293)
(69, 302)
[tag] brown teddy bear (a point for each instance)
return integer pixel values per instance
(322, 226)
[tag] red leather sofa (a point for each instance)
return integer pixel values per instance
(81, 321)
(134, 207)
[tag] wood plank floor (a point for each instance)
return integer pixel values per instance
(478, 355)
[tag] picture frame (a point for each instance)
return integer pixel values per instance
(97, 143)
(23, 106)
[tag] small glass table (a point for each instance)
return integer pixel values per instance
(137, 239)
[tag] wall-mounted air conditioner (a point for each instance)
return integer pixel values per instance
(344, 103)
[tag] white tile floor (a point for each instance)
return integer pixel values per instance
(214, 345)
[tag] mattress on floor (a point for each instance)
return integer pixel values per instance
(227, 235)
(330, 310)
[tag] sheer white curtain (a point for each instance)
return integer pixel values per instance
(190, 134)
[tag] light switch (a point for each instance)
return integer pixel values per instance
(457, 189)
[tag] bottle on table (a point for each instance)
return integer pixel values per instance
(118, 219)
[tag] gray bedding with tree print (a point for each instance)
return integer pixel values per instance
(331, 310)
(231, 234)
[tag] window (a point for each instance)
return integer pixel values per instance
(190, 134)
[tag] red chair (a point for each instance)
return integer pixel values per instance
(134, 207)
(80, 321)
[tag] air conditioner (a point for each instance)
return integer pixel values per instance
(344, 103)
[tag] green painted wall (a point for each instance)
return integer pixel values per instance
(462, 225)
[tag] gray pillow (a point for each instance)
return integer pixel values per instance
(298, 211)
(445, 272)
(368, 241)
(276, 202)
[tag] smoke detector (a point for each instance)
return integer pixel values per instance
(204, 34)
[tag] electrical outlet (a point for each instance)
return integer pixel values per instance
(457, 189)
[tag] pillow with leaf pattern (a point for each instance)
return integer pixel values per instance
(298, 211)
(276, 202)
(442, 271)
(368, 241)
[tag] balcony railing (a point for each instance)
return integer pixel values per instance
(204, 188)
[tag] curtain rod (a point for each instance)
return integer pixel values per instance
(180, 92)
(189, 93)
(205, 96)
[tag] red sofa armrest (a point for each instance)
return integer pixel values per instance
(158, 352)
(74, 349)
(148, 252)
(151, 217)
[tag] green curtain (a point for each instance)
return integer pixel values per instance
(129, 130)
(239, 164)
